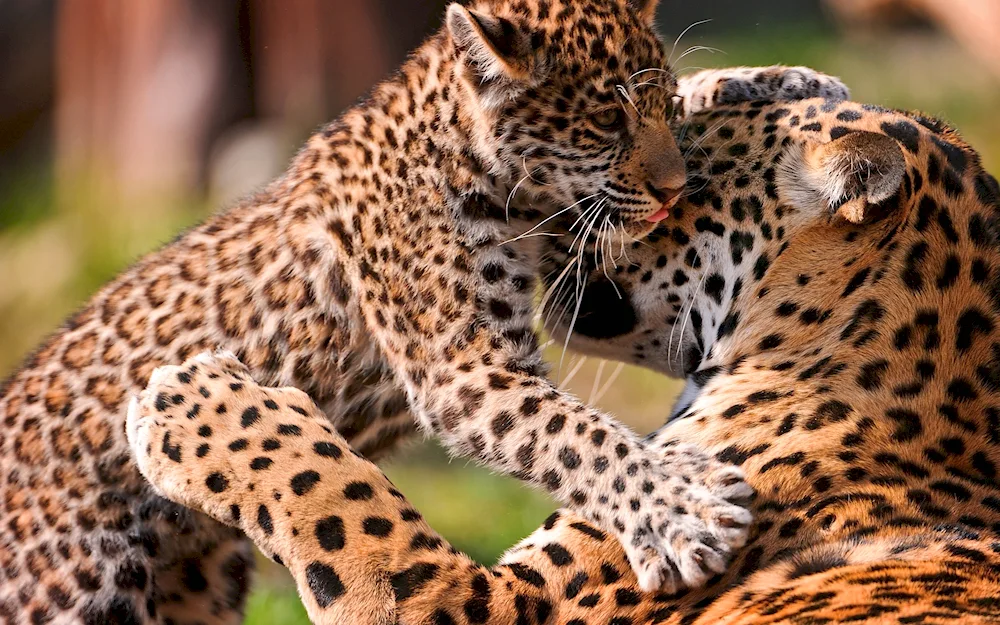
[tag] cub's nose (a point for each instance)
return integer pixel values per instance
(667, 198)
(666, 173)
(665, 195)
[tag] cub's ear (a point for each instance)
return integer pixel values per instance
(645, 8)
(497, 55)
(850, 177)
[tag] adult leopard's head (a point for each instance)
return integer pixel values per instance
(808, 230)
(570, 103)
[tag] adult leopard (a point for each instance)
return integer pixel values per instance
(830, 288)
(368, 275)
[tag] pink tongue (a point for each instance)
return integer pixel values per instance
(659, 215)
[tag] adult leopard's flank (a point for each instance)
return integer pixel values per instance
(830, 288)
(371, 277)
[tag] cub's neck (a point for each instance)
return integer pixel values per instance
(414, 141)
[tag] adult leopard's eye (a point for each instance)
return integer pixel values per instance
(609, 119)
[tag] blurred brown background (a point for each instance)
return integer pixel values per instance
(123, 121)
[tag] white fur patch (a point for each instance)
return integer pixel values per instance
(806, 184)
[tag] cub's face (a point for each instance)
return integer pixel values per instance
(573, 100)
(801, 223)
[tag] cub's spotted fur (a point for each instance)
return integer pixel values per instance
(371, 277)
(831, 290)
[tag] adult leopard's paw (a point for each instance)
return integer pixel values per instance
(265, 460)
(204, 433)
(777, 83)
(686, 521)
(173, 425)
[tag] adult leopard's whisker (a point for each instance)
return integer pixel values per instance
(597, 381)
(607, 385)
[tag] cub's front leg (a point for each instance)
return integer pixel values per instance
(474, 375)
(672, 513)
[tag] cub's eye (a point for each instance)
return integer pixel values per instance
(675, 107)
(609, 119)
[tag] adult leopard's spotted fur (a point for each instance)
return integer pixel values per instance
(831, 291)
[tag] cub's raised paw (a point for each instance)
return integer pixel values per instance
(684, 526)
(777, 83)
(205, 435)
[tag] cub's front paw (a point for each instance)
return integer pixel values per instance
(720, 87)
(682, 526)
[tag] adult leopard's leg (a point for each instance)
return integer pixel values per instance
(266, 461)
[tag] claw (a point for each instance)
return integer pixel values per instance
(160, 374)
(691, 535)
(132, 421)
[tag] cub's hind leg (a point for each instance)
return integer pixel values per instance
(205, 583)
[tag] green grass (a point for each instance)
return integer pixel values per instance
(273, 606)
(27, 200)
(480, 513)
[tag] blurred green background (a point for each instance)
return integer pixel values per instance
(122, 122)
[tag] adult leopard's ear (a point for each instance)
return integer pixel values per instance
(645, 8)
(499, 57)
(857, 177)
